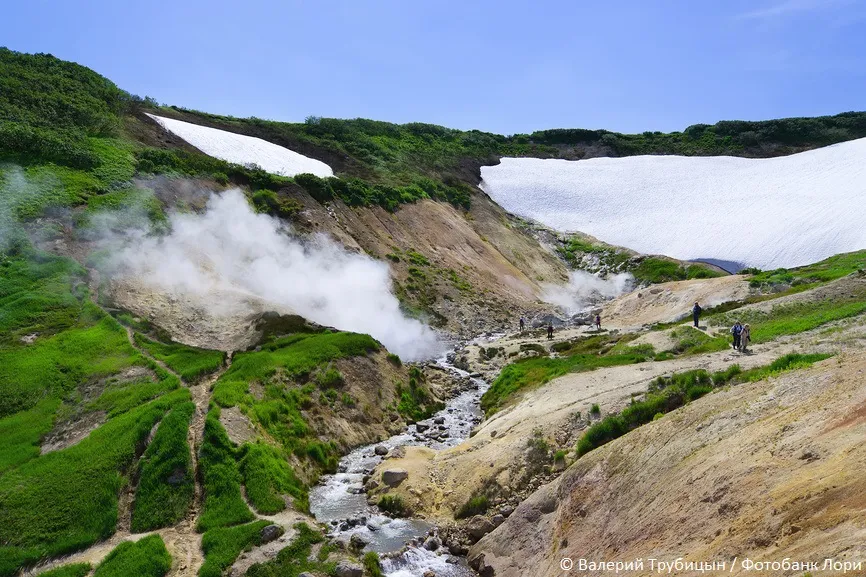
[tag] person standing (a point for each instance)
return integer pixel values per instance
(522, 324)
(696, 313)
(745, 337)
(736, 331)
(598, 322)
(549, 330)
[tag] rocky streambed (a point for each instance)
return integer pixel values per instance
(408, 547)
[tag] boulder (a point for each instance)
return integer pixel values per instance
(497, 520)
(348, 569)
(432, 544)
(271, 533)
(357, 542)
(381, 450)
(421, 427)
(393, 477)
(478, 526)
(439, 420)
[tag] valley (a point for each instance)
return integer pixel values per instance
(245, 347)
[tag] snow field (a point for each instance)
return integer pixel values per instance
(244, 150)
(770, 213)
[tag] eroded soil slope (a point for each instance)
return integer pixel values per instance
(766, 470)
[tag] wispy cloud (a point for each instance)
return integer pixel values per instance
(788, 7)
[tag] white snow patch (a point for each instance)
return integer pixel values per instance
(776, 212)
(244, 150)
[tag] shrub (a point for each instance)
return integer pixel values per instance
(393, 504)
(372, 565)
(476, 505)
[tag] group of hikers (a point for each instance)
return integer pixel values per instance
(741, 333)
(550, 326)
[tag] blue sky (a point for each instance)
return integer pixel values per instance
(502, 66)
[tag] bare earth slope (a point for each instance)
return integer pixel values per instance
(766, 470)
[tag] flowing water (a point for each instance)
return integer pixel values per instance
(339, 500)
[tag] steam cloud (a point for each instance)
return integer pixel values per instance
(231, 250)
(584, 289)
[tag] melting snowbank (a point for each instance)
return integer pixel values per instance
(244, 150)
(231, 256)
(769, 213)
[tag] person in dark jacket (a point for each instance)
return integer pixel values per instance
(549, 330)
(598, 322)
(522, 324)
(696, 313)
(736, 331)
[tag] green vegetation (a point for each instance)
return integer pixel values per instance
(653, 270)
(577, 356)
(295, 559)
(728, 137)
(190, 363)
(476, 505)
(692, 341)
(221, 481)
(393, 505)
(222, 546)
(668, 393)
(810, 275)
(165, 487)
(268, 476)
(146, 557)
(372, 565)
(286, 369)
(86, 478)
(798, 317)
(414, 403)
(73, 570)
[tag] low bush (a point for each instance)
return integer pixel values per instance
(476, 505)
(393, 504)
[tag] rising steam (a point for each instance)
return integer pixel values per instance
(584, 289)
(234, 255)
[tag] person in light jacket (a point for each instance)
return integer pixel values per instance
(745, 337)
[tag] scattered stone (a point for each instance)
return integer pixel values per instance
(348, 569)
(497, 520)
(381, 450)
(393, 477)
(271, 533)
(506, 511)
(372, 526)
(478, 527)
(439, 420)
(421, 427)
(432, 544)
(429, 573)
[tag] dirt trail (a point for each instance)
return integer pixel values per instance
(497, 451)
(182, 541)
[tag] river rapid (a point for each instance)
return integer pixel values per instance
(339, 500)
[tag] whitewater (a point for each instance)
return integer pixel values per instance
(768, 213)
(244, 150)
